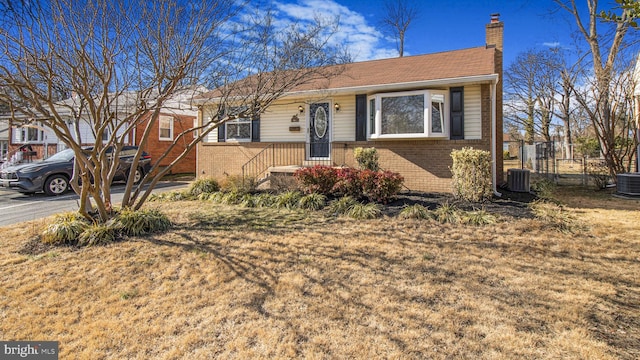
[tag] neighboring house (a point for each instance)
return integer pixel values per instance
(42, 142)
(175, 116)
(414, 110)
(173, 119)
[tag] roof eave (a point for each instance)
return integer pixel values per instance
(457, 81)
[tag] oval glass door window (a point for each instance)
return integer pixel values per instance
(321, 122)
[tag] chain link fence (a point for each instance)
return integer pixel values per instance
(545, 160)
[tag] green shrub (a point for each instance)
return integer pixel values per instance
(65, 229)
(312, 202)
(265, 200)
(288, 200)
(140, 222)
(367, 158)
(471, 174)
(544, 189)
(415, 211)
(248, 200)
(231, 198)
(175, 195)
(342, 205)
(588, 146)
(216, 197)
(205, 196)
(99, 234)
(556, 217)
(364, 211)
(447, 213)
(203, 185)
(479, 217)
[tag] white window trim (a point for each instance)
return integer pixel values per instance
(237, 121)
(171, 120)
(22, 134)
(376, 135)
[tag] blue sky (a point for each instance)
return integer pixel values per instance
(442, 25)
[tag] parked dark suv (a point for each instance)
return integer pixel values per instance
(52, 175)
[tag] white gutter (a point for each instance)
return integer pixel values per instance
(467, 80)
(494, 133)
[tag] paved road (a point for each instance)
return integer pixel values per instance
(16, 207)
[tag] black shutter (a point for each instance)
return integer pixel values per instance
(221, 130)
(361, 117)
(255, 129)
(457, 113)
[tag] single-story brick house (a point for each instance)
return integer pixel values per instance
(414, 110)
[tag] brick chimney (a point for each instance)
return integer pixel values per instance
(495, 32)
(495, 39)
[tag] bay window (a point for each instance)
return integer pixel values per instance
(411, 114)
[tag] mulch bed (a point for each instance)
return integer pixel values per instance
(513, 204)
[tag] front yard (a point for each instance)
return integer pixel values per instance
(235, 282)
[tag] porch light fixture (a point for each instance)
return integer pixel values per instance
(337, 107)
(301, 109)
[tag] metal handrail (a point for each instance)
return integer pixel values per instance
(275, 154)
(250, 163)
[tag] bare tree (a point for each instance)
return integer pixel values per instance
(605, 48)
(531, 89)
(122, 61)
(398, 16)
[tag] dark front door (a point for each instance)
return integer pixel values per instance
(319, 126)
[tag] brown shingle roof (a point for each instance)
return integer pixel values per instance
(444, 65)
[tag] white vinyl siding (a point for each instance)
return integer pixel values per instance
(212, 136)
(472, 113)
(276, 120)
(344, 124)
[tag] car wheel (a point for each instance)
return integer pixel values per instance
(137, 177)
(56, 185)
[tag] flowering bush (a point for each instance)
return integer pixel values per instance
(377, 186)
(380, 186)
(349, 183)
(317, 179)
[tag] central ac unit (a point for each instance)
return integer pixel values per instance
(518, 180)
(629, 184)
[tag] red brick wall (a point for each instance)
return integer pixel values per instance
(156, 147)
(425, 164)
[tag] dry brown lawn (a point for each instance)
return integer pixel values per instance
(232, 282)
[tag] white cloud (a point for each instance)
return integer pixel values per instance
(554, 44)
(363, 41)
